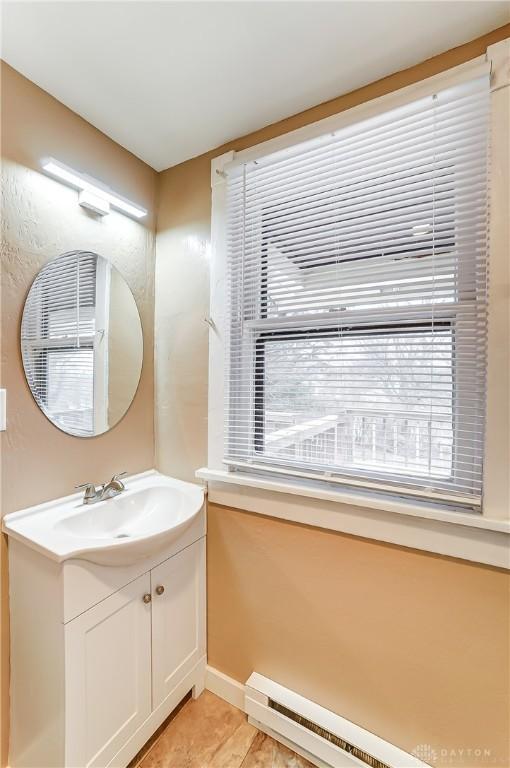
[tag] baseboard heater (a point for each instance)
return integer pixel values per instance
(322, 737)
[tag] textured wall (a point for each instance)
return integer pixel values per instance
(182, 303)
(412, 645)
(40, 220)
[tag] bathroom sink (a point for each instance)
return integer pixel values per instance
(153, 511)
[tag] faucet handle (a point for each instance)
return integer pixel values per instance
(90, 491)
(115, 479)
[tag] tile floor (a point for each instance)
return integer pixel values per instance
(209, 733)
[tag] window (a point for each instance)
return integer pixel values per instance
(58, 341)
(357, 273)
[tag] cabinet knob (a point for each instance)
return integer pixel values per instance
(147, 598)
(160, 589)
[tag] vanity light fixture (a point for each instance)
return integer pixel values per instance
(93, 194)
(93, 202)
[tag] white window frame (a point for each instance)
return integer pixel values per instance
(479, 537)
(101, 345)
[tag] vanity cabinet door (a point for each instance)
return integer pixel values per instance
(178, 618)
(108, 675)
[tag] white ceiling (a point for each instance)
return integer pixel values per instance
(170, 80)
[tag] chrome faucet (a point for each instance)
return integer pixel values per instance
(105, 491)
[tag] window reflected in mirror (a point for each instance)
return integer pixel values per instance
(81, 343)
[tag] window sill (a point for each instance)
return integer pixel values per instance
(412, 524)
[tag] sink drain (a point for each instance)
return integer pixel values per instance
(122, 536)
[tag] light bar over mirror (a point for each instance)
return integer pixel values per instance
(83, 182)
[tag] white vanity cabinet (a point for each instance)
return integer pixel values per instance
(108, 674)
(101, 655)
(178, 611)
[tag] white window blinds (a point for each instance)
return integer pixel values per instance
(357, 274)
(57, 341)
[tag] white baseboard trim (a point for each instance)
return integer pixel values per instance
(253, 699)
(233, 692)
(261, 691)
(225, 687)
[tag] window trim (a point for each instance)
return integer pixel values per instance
(443, 80)
(270, 496)
(438, 530)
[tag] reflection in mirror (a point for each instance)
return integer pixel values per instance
(81, 343)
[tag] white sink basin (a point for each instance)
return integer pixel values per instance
(151, 513)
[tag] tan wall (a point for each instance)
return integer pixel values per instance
(40, 220)
(411, 645)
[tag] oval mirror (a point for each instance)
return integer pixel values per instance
(81, 343)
